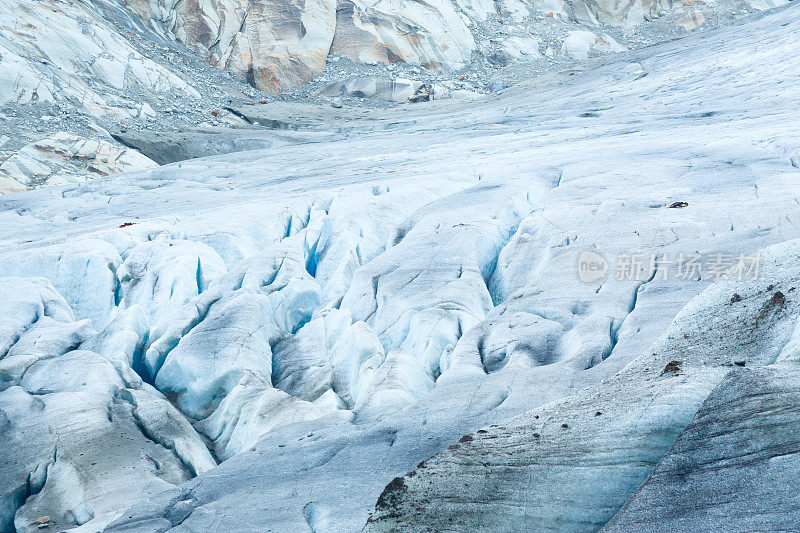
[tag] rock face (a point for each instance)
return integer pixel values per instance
(276, 44)
(279, 44)
(70, 70)
(65, 158)
(67, 52)
(433, 35)
(320, 318)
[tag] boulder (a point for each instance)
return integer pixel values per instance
(66, 158)
(397, 90)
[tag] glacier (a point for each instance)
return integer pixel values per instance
(386, 329)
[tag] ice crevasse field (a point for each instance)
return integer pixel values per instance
(388, 330)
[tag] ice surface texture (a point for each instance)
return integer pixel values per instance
(325, 317)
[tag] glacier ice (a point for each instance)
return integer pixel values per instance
(571, 464)
(78, 443)
(320, 318)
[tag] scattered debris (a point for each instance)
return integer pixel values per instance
(673, 367)
(736, 298)
(775, 304)
(778, 299)
(734, 363)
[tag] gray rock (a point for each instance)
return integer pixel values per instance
(391, 90)
(65, 158)
(730, 469)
